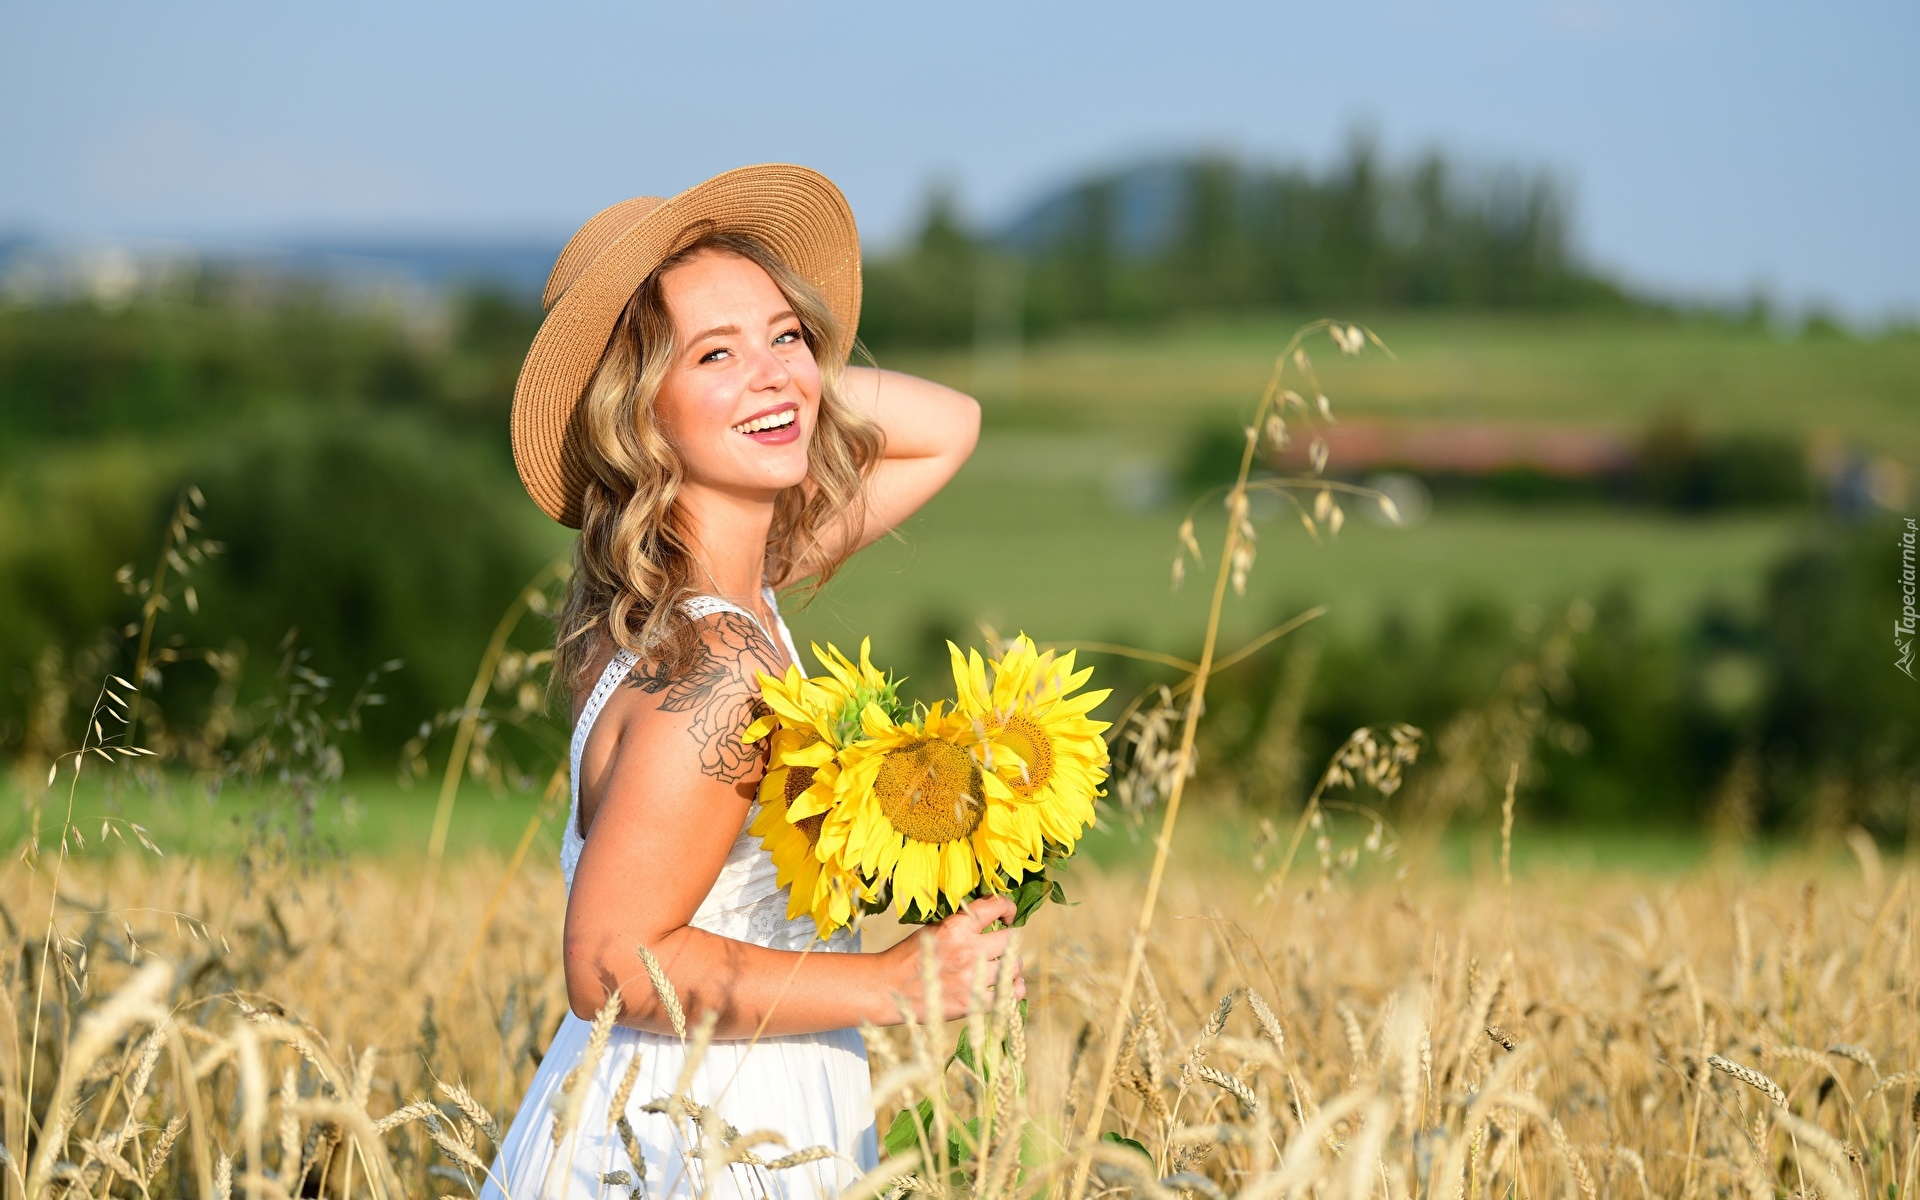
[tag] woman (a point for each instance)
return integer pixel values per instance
(687, 406)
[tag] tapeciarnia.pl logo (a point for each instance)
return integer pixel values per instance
(1903, 627)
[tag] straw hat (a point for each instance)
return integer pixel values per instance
(798, 213)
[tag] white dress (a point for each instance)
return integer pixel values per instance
(813, 1089)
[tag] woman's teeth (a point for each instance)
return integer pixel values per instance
(779, 420)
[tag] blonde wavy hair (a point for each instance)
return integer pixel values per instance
(632, 566)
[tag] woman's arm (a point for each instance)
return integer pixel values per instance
(930, 430)
(673, 784)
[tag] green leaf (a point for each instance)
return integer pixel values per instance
(958, 1147)
(913, 1126)
(1114, 1139)
(964, 1053)
(910, 1126)
(1029, 896)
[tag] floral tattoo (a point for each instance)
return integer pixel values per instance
(721, 692)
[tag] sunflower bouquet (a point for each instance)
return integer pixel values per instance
(869, 801)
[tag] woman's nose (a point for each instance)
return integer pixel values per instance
(767, 373)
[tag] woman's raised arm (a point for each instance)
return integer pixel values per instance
(930, 429)
(672, 783)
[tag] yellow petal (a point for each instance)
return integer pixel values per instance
(810, 803)
(759, 729)
(957, 661)
(915, 877)
(874, 721)
(773, 788)
(995, 787)
(958, 871)
(817, 754)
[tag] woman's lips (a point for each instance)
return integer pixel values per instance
(777, 437)
(775, 426)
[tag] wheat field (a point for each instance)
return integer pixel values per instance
(1732, 1032)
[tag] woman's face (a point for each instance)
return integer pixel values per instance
(741, 395)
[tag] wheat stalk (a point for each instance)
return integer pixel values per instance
(1752, 1078)
(663, 988)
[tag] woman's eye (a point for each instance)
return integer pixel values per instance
(713, 355)
(787, 338)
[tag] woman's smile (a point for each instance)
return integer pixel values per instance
(774, 426)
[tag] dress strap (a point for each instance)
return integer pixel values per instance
(705, 606)
(617, 669)
(571, 842)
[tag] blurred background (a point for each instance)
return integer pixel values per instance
(1649, 273)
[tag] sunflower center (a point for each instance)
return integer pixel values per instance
(930, 791)
(799, 779)
(1026, 738)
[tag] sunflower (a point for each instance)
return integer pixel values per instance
(857, 685)
(1037, 733)
(913, 811)
(801, 761)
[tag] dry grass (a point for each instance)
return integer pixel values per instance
(1725, 1034)
(1626, 1038)
(283, 1001)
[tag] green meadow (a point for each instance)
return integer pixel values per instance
(1616, 372)
(1037, 532)
(1056, 558)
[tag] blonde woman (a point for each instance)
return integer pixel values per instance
(687, 405)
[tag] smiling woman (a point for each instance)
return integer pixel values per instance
(717, 342)
(688, 406)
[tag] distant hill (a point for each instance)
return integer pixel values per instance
(1206, 232)
(1145, 203)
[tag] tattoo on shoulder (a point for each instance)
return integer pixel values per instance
(719, 689)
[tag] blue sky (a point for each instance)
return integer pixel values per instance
(1712, 145)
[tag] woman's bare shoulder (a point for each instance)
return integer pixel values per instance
(715, 694)
(704, 703)
(682, 720)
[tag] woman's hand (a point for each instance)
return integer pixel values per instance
(960, 942)
(930, 430)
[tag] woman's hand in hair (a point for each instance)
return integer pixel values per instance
(930, 431)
